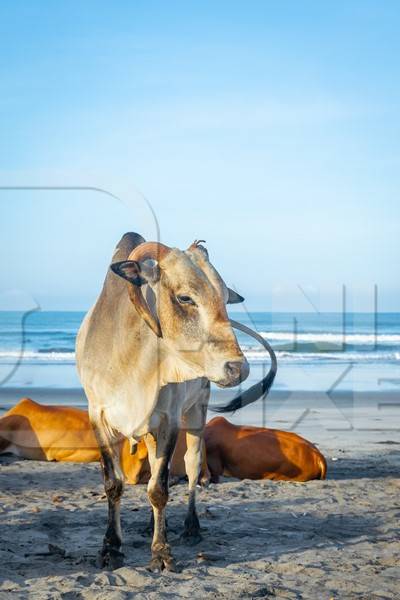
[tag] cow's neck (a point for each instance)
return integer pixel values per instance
(153, 363)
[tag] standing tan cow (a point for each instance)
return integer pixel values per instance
(146, 351)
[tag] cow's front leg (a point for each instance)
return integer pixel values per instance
(110, 555)
(160, 449)
(193, 464)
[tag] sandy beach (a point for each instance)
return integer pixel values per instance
(324, 539)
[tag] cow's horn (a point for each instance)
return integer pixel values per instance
(150, 250)
(197, 244)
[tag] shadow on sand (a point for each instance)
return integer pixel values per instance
(261, 534)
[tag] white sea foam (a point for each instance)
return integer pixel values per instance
(252, 354)
(332, 338)
(309, 357)
(37, 356)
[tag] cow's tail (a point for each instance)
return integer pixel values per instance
(261, 388)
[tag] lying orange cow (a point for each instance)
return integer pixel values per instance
(63, 433)
(258, 453)
(56, 433)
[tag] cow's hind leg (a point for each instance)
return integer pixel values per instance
(160, 450)
(193, 462)
(194, 422)
(110, 555)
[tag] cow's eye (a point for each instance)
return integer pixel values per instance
(182, 299)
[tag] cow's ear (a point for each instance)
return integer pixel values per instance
(136, 272)
(234, 297)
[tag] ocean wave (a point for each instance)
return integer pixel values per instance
(56, 350)
(280, 336)
(39, 332)
(310, 357)
(67, 356)
(63, 355)
(333, 338)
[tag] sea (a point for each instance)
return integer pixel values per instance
(315, 351)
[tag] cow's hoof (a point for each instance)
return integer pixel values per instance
(205, 481)
(162, 560)
(191, 538)
(158, 564)
(110, 558)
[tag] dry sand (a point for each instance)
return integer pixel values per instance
(337, 538)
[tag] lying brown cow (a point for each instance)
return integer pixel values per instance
(55, 433)
(258, 453)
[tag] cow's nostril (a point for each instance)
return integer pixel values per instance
(233, 369)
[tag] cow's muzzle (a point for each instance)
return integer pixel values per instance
(235, 372)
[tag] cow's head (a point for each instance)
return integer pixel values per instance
(185, 306)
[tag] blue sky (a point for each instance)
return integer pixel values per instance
(270, 129)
